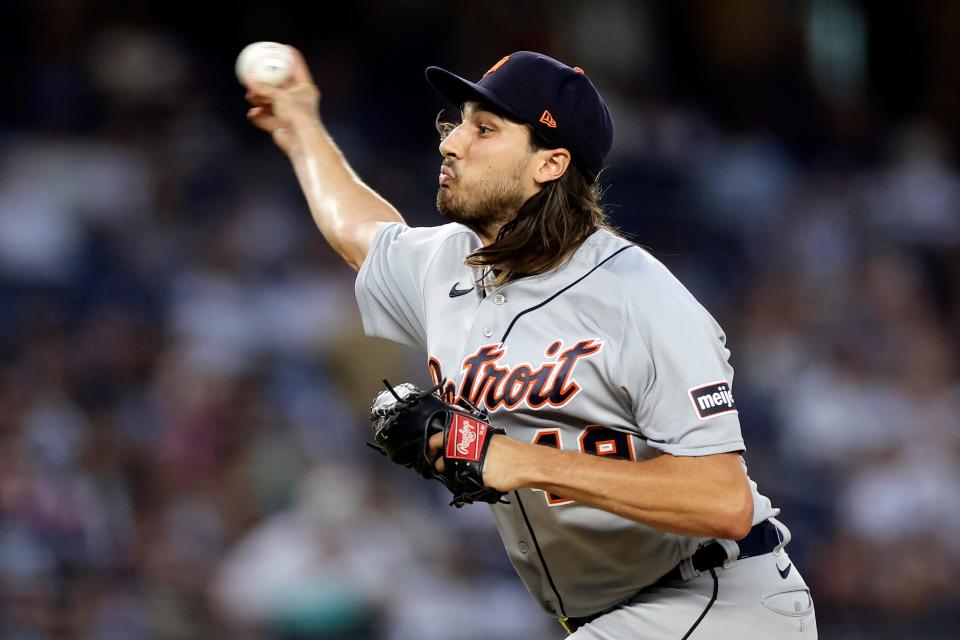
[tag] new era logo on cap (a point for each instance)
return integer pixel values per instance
(712, 400)
(548, 120)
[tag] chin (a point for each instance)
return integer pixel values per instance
(447, 206)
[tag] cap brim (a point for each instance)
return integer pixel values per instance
(457, 90)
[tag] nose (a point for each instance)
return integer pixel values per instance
(452, 145)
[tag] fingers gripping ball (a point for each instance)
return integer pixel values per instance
(267, 62)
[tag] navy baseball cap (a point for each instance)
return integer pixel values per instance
(559, 102)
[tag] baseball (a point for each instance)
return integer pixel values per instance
(267, 62)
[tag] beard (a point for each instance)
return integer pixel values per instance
(492, 204)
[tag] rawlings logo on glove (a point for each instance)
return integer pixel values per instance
(403, 419)
(465, 430)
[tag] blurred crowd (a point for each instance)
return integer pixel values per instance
(184, 384)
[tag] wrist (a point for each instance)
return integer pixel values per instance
(519, 464)
(305, 130)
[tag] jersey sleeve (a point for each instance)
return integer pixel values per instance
(678, 376)
(389, 286)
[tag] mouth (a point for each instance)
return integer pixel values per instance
(446, 176)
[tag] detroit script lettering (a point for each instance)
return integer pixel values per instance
(489, 382)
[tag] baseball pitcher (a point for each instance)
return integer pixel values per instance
(580, 389)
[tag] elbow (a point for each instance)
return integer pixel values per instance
(354, 262)
(737, 519)
(352, 241)
(344, 243)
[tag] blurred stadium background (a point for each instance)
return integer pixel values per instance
(184, 383)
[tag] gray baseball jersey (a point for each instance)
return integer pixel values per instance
(607, 355)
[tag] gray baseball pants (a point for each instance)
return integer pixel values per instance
(745, 599)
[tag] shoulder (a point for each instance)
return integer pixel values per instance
(624, 261)
(438, 236)
(648, 287)
(419, 246)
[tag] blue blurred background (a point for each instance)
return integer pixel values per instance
(183, 379)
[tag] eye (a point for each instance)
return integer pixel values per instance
(484, 129)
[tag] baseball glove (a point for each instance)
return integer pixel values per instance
(403, 420)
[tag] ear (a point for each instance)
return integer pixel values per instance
(551, 165)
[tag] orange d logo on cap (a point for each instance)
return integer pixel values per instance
(502, 62)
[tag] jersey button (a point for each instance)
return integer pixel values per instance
(487, 331)
(523, 547)
(499, 298)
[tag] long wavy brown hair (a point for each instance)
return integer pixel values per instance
(549, 226)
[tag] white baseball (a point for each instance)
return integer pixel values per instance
(267, 62)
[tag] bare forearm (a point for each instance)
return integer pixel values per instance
(707, 496)
(346, 210)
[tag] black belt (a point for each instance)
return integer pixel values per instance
(762, 539)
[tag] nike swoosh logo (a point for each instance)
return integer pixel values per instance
(454, 292)
(784, 572)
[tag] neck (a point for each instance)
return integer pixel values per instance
(488, 236)
(488, 230)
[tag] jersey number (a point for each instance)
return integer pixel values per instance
(596, 440)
